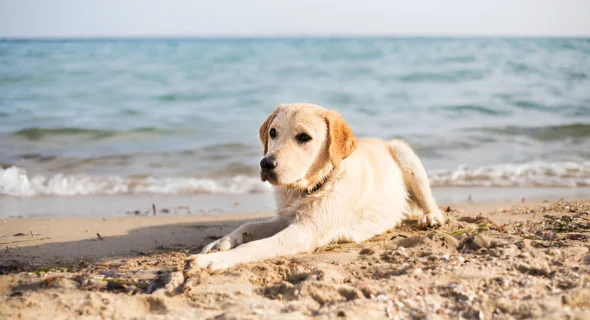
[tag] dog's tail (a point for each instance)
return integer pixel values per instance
(410, 165)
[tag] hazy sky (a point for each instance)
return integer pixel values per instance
(85, 18)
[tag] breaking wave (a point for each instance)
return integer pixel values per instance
(15, 181)
(531, 174)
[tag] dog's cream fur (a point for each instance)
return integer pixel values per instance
(370, 186)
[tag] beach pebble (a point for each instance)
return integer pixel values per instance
(113, 285)
(258, 307)
(475, 242)
(456, 287)
(523, 255)
(366, 251)
(64, 283)
(425, 253)
(175, 280)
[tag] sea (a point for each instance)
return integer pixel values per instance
(181, 116)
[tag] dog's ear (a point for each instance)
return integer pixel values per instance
(341, 139)
(264, 128)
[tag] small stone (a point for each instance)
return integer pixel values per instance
(366, 251)
(112, 285)
(475, 243)
(524, 254)
(587, 260)
(176, 279)
(425, 253)
(64, 283)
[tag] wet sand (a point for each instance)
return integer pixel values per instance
(224, 204)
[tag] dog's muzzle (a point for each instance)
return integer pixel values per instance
(267, 166)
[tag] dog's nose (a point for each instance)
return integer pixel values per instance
(268, 163)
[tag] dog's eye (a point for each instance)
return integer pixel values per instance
(303, 138)
(273, 133)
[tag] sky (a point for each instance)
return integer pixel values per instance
(251, 18)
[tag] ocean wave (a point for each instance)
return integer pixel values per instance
(462, 108)
(184, 97)
(531, 174)
(549, 133)
(221, 147)
(15, 181)
(532, 105)
(447, 77)
(36, 133)
(457, 59)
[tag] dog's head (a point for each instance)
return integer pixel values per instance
(302, 144)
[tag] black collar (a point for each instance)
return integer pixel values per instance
(316, 188)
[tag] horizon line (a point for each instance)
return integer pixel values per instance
(294, 36)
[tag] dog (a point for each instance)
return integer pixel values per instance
(329, 187)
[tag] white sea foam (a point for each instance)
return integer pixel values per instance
(15, 181)
(531, 174)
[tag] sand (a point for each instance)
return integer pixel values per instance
(501, 261)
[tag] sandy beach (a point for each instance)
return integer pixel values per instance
(133, 134)
(518, 260)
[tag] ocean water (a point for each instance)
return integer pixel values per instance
(85, 117)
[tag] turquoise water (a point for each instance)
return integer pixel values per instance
(170, 116)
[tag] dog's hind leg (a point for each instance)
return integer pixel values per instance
(417, 183)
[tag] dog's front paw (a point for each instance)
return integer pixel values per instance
(213, 261)
(431, 219)
(223, 244)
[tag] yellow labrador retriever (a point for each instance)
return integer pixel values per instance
(329, 186)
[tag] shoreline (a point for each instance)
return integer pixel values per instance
(127, 205)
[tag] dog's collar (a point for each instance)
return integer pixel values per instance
(317, 187)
